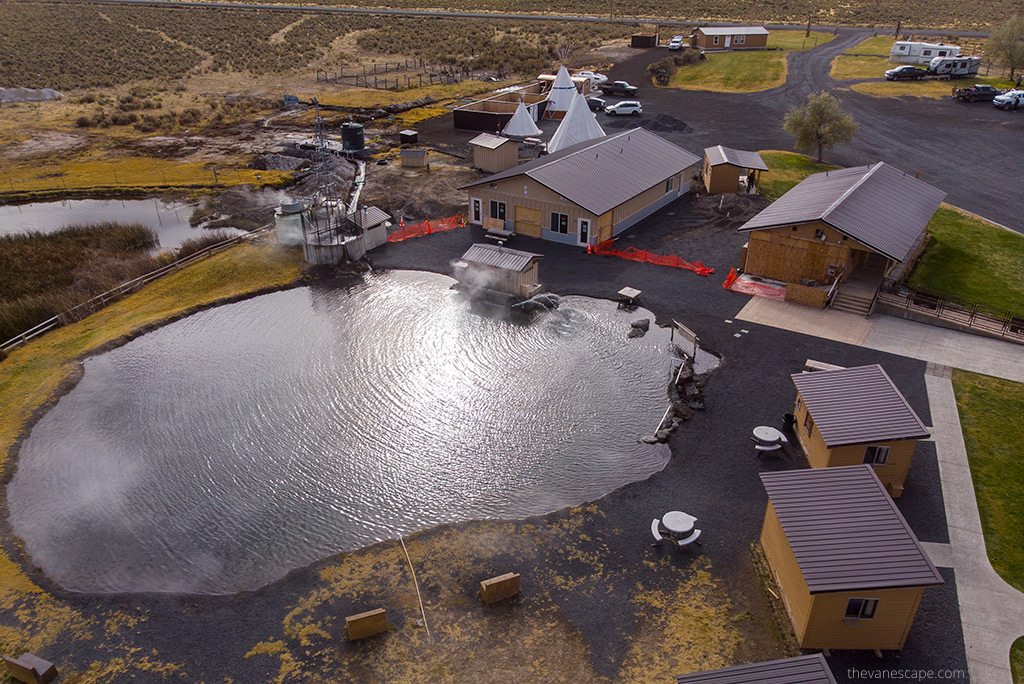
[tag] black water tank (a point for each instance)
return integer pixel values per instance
(352, 136)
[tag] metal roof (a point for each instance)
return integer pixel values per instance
(489, 140)
(369, 217)
(879, 206)
(858, 406)
(413, 153)
(601, 174)
(499, 257)
(808, 669)
(846, 532)
(725, 155)
(733, 30)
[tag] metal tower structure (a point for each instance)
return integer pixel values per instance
(324, 217)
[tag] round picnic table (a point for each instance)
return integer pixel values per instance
(766, 434)
(678, 522)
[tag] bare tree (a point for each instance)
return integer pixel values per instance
(1005, 45)
(819, 124)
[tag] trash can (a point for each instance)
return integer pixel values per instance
(789, 423)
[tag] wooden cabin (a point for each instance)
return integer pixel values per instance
(585, 193)
(493, 153)
(850, 570)
(497, 268)
(808, 669)
(709, 38)
(856, 225)
(857, 415)
(728, 170)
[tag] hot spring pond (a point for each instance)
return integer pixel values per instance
(219, 452)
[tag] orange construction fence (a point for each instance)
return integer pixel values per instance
(634, 254)
(416, 230)
(736, 284)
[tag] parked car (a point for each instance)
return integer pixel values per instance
(1011, 99)
(596, 79)
(620, 88)
(905, 72)
(676, 43)
(596, 104)
(630, 107)
(978, 92)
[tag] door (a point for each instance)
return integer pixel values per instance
(476, 216)
(528, 221)
(584, 231)
(727, 40)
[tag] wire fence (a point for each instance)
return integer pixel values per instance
(90, 306)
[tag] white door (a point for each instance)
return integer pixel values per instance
(727, 40)
(584, 231)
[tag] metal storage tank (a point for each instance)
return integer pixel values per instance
(288, 220)
(352, 136)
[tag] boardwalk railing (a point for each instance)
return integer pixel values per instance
(987, 319)
(80, 311)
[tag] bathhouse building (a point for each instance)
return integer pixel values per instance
(850, 570)
(587, 192)
(857, 415)
(497, 268)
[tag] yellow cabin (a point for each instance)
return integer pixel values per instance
(857, 415)
(729, 170)
(850, 569)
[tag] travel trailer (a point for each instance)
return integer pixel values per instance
(911, 52)
(954, 67)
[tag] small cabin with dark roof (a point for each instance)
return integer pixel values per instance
(808, 669)
(497, 268)
(857, 225)
(857, 415)
(850, 570)
(729, 170)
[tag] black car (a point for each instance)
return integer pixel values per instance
(620, 88)
(596, 104)
(905, 72)
(978, 92)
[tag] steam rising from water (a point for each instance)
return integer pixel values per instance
(222, 451)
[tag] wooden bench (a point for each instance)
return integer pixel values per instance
(31, 669)
(499, 235)
(366, 624)
(499, 588)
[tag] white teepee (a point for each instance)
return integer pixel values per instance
(579, 125)
(521, 124)
(562, 91)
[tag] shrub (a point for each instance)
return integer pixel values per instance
(192, 245)
(84, 122)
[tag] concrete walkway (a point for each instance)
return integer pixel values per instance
(991, 611)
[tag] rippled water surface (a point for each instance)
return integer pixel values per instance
(219, 452)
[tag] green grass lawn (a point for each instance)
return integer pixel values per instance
(991, 413)
(846, 68)
(786, 169)
(1017, 661)
(970, 258)
(879, 45)
(734, 72)
(796, 40)
(934, 89)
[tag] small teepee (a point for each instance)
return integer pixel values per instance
(560, 97)
(579, 125)
(521, 124)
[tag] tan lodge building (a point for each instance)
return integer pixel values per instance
(585, 193)
(857, 415)
(850, 570)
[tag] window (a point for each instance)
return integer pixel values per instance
(670, 183)
(476, 211)
(876, 455)
(926, 53)
(714, 41)
(559, 223)
(497, 210)
(861, 608)
(739, 40)
(808, 423)
(799, 403)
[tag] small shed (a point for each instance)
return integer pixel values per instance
(850, 570)
(408, 137)
(857, 415)
(645, 40)
(499, 269)
(413, 159)
(808, 669)
(493, 153)
(729, 170)
(729, 38)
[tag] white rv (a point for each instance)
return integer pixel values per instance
(911, 52)
(956, 67)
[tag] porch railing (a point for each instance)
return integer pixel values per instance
(974, 315)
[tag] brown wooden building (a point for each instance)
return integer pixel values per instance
(499, 269)
(708, 38)
(585, 193)
(808, 669)
(727, 170)
(493, 153)
(850, 569)
(856, 225)
(857, 415)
